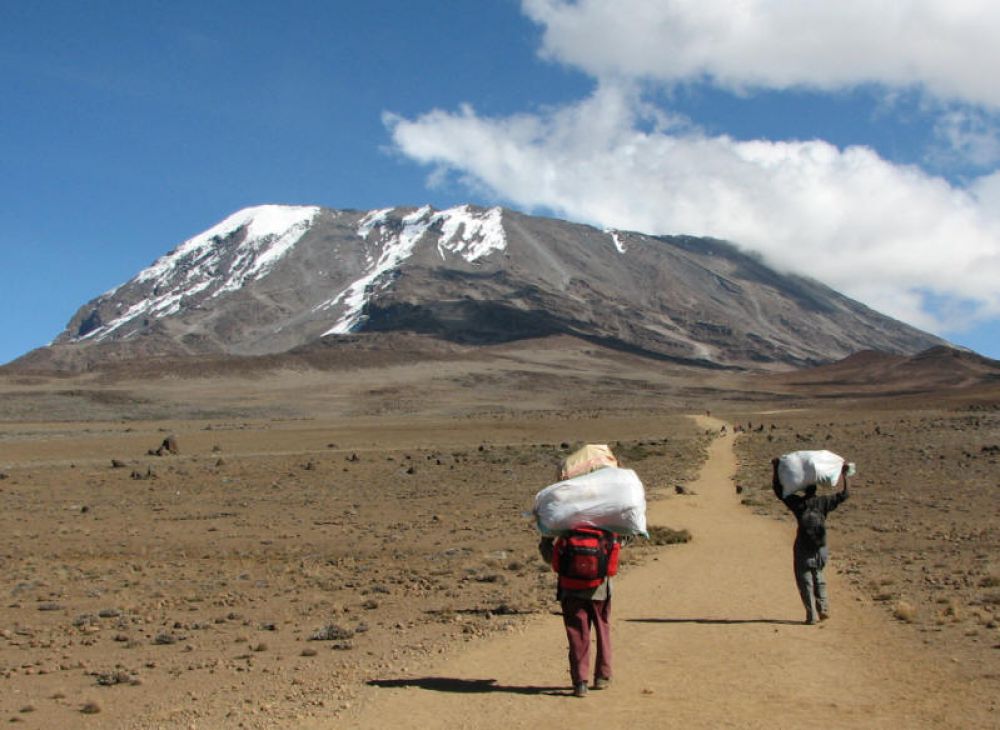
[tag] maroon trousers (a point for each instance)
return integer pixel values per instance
(579, 614)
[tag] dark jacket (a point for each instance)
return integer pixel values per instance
(810, 512)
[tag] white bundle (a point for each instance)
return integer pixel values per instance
(610, 498)
(585, 460)
(799, 469)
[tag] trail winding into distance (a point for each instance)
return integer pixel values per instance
(707, 635)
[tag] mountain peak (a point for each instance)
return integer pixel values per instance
(239, 249)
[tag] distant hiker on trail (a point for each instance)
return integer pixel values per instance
(585, 559)
(810, 552)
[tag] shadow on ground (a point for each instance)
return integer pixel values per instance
(715, 621)
(466, 686)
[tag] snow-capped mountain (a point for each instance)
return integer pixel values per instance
(249, 250)
(271, 278)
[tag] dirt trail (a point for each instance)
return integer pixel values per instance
(709, 635)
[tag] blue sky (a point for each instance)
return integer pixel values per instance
(851, 141)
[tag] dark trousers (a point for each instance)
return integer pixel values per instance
(579, 614)
(811, 582)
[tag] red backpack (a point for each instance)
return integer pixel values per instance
(585, 557)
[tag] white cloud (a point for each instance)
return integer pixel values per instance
(898, 239)
(889, 236)
(943, 47)
(967, 136)
(940, 50)
(987, 191)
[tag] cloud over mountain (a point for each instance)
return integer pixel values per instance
(911, 243)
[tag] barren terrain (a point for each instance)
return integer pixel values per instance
(320, 531)
(919, 536)
(707, 635)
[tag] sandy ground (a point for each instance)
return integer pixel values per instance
(262, 575)
(707, 635)
(346, 547)
(920, 537)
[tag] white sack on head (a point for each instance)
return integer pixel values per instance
(798, 469)
(610, 498)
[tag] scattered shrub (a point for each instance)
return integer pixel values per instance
(331, 632)
(905, 612)
(659, 535)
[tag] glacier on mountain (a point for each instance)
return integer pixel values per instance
(463, 232)
(616, 238)
(247, 246)
(270, 232)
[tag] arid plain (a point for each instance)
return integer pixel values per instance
(319, 524)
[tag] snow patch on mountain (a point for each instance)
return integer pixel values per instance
(472, 236)
(271, 230)
(616, 238)
(203, 263)
(463, 232)
(395, 248)
(372, 220)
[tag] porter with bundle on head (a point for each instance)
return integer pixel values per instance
(584, 519)
(803, 471)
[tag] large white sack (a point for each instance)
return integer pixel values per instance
(799, 469)
(609, 498)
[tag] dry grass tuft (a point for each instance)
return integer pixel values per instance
(905, 612)
(659, 535)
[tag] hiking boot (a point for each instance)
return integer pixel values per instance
(824, 615)
(810, 620)
(580, 689)
(602, 682)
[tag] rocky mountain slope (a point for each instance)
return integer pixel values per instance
(273, 278)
